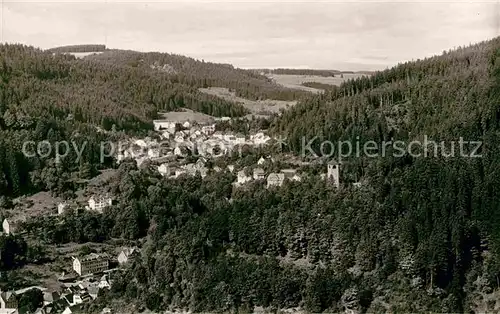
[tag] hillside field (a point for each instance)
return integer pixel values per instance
(258, 107)
(295, 81)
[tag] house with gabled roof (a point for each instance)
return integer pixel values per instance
(61, 207)
(104, 282)
(12, 225)
(259, 174)
(127, 254)
(50, 297)
(9, 300)
(208, 129)
(243, 178)
(164, 124)
(275, 179)
(164, 170)
(99, 202)
(261, 161)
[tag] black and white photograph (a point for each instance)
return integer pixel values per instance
(249, 156)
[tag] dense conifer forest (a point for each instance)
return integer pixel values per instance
(195, 73)
(78, 48)
(419, 235)
(319, 85)
(324, 73)
(54, 97)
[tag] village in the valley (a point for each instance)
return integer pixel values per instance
(185, 147)
(179, 148)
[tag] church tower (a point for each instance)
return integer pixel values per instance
(333, 173)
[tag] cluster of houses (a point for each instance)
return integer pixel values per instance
(69, 300)
(95, 275)
(169, 170)
(276, 179)
(97, 203)
(186, 138)
(98, 263)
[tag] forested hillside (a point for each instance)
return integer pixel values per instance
(55, 97)
(421, 234)
(184, 70)
(440, 214)
(78, 48)
(324, 73)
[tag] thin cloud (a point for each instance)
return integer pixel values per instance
(320, 34)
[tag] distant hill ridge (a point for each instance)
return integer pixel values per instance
(200, 74)
(310, 72)
(78, 48)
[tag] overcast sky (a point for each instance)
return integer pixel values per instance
(345, 35)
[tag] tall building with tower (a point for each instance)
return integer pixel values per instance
(333, 173)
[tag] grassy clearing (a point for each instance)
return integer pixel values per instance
(258, 107)
(296, 81)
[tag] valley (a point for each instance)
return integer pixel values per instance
(187, 187)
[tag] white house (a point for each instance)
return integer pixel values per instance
(296, 177)
(90, 264)
(163, 124)
(76, 298)
(243, 178)
(154, 153)
(229, 137)
(259, 138)
(275, 179)
(104, 283)
(10, 226)
(181, 151)
(98, 203)
(186, 124)
(208, 129)
(179, 137)
(126, 255)
(261, 161)
(61, 207)
(9, 300)
(164, 169)
(179, 172)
